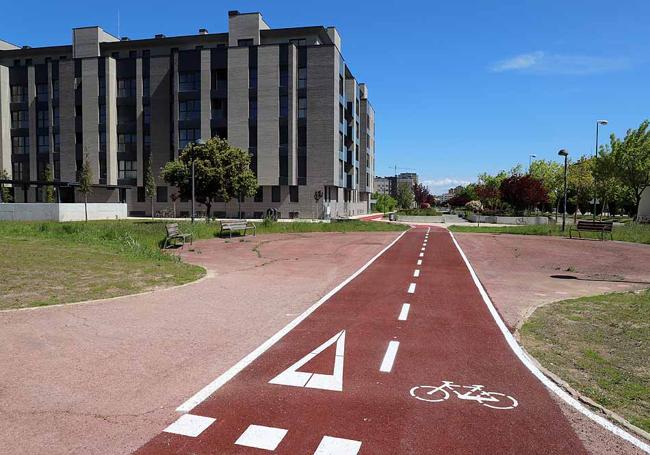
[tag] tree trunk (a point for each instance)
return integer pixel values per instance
(86, 206)
(152, 208)
(208, 207)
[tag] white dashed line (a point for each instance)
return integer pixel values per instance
(411, 289)
(423, 248)
(190, 425)
(419, 261)
(416, 273)
(337, 446)
(389, 357)
(404, 314)
(421, 255)
(261, 437)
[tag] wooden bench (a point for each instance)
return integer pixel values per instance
(237, 225)
(593, 226)
(174, 234)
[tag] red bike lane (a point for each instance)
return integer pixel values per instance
(341, 381)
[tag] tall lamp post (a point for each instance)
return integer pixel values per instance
(598, 123)
(565, 154)
(197, 142)
(530, 161)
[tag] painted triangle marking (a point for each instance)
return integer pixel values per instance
(292, 377)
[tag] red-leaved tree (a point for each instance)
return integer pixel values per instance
(421, 194)
(523, 191)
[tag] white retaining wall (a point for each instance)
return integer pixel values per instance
(61, 212)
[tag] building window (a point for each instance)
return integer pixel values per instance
(218, 109)
(78, 110)
(189, 81)
(302, 77)
(341, 143)
(284, 76)
(124, 142)
(41, 92)
(302, 136)
(189, 110)
(298, 42)
(20, 145)
(102, 141)
(55, 115)
(259, 194)
(43, 143)
(102, 113)
(161, 194)
(340, 85)
(18, 94)
(102, 86)
(341, 113)
(293, 194)
(252, 77)
(252, 108)
(284, 106)
(55, 88)
(17, 171)
(275, 194)
(127, 170)
(187, 135)
(146, 114)
(42, 119)
(302, 107)
(19, 119)
(219, 80)
(125, 87)
(57, 142)
(145, 86)
(245, 42)
(141, 196)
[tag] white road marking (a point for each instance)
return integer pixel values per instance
(389, 357)
(216, 384)
(334, 381)
(423, 248)
(261, 437)
(337, 446)
(421, 255)
(419, 261)
(190, 425)
(416, 273)
(523, 358)
(411, 289)
(404, 314)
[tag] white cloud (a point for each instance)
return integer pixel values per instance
(440, 186)
(539, 62)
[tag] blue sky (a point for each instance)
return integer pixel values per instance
(459, 87)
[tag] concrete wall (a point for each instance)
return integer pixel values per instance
(644, 207)
(61, 212)
(520, 220)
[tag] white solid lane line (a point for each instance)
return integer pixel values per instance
(404, 314)
(419, 261)
(416, 273)
(389, 357)
(190, 425)
(411, 289)
(261, 437)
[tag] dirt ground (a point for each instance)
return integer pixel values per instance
(103, 377)
(518, 273)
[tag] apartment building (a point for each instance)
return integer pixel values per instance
(389, 185)
(286, 95)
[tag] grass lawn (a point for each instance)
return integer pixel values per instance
(44, 263)
(601, 346)
(631, 232)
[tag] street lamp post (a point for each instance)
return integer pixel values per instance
(197, 142)
(598, 123)
(530, 161)
(565, 154)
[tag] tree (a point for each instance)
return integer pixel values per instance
(221, 172)
(421, 194)
(523, 191)
(405, 196)
(458, 200)
(149, 183)
(85, 182)
(174, 197)
(5, 192)
(630, 161)
(49, 189)
(551, 173)
(580, 181)
(385, 203)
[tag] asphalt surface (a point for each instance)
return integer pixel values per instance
(349, 378)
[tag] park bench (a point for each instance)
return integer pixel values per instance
(593, 226)
(174, 234)
(237, 225)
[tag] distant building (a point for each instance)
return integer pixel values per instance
(387, 185)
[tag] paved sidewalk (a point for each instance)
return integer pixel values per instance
(103, 378)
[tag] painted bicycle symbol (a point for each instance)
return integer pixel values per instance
(436, 394)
